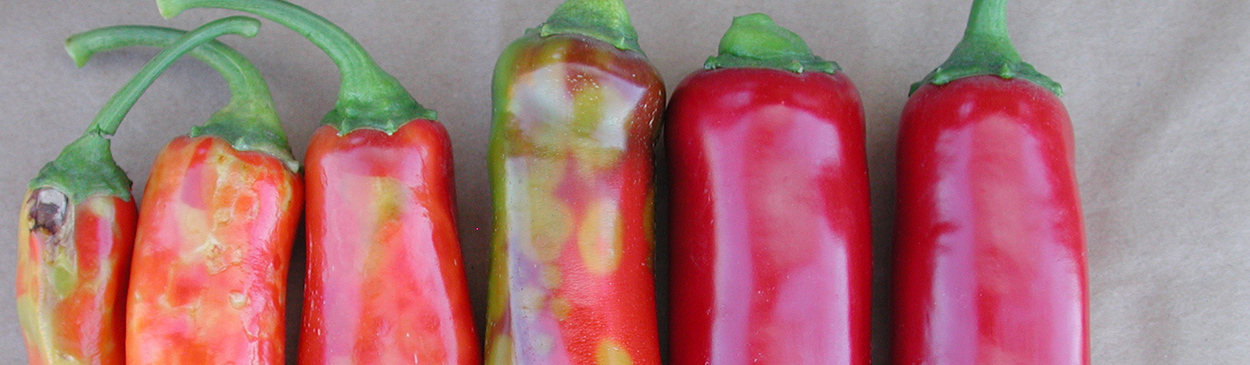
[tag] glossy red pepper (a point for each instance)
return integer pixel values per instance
(208, 279)
(577, 109)
(386, 282)
(990, 257)
(77, 226)
(770, 234)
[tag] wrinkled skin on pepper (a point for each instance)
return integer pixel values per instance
(991, 247)
(385, 282)
(208, 283)
(571, 170)
(771, 234)
(74, 261)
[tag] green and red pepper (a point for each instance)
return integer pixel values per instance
(79, 222)
(577, 111)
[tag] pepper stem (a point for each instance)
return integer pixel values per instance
(86, 166)
(249, 121)
(754, 40)
(605, 20)
(986, 49)
(368, 96)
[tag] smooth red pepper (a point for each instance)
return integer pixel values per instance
(577, 109)
(208, 280)
(990, 257)
(770, 234)
(386, 282)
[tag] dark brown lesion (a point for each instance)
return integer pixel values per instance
(49, 213)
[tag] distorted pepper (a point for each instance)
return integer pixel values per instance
(386, 282)
(217, 221)
(577, 111)
(77, 228)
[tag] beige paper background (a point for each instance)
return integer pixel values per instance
(1157, 91)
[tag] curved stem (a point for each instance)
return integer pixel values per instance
(368, 96)
(754, 40)
(86, 167)
(249, 121)
(107, 121)
(605, 20)
(986, 49)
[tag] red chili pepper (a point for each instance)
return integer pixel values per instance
(386, 282)
(577, 110)
(77, 226)
(75, 234)
(215, 231)
(991, 251)
(771, 238)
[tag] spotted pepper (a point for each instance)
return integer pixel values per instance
(577, 111)
(386, 282)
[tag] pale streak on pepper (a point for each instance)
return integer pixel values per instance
(573, 167)
(211, 256)
(68, 283)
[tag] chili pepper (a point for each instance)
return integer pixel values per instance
(770, 228)
(577, 109)
(990, 257)
(386, 282)
(215, 231)
(78, 228)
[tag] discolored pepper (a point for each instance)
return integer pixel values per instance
(386, 282)
(990, 256)
(576, 112)
(770, 232)
(77, 229)
(215, 232)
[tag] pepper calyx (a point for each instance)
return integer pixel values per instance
(986, 49)
(755, 41)
(83, 169)
(605, 20)
(368, 96)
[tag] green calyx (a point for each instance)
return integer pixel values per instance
(986, 49)
(605, 20)
(369, 98)
(754, 40)
(249, 121)
(86, 166)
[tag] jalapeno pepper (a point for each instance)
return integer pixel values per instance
(576, 112)
(77, 230)
(386, 282)
(990, 256)
(215, 232)
(770, 232)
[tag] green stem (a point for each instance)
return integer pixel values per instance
(368, 96)
(249, 121)
(986, 49)
(605, 20)
(754, 40)
(86, 166)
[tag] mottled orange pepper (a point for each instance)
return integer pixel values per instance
(215, 231)
(77, 225)
(386, 282)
